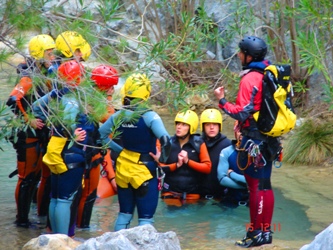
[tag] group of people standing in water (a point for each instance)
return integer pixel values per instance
(69, 138)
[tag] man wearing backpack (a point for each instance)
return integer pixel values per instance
(252, 157)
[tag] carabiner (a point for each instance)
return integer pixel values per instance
(277, 163)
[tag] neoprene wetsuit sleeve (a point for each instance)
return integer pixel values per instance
(105, 130)
(154, 121)
(18, 93)
(39, 107)
(165, 148)
(223, 167)
(205, 165)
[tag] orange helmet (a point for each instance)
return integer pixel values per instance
(105, 76)
(71, 72)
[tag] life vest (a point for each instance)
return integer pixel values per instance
(53, 158)
(130, 170)
(210, 185)
(184, 179)
(138, 140)
(59, 155)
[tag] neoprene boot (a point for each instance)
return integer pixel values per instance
(87, 211)
(51, 217)
(23, 202)
(123, 221)
(144, 221)
(255, 238)
(62, 215)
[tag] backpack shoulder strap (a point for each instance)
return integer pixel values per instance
(280, 74)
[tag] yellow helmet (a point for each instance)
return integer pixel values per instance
(69, 41)
(189, 117)
(210, 116)
(137, 86)
(38, 45)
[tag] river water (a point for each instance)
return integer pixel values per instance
(303, 207)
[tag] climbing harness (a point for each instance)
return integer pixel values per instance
(278, 160)
(253, 155)
(104, 172)
(160, 177)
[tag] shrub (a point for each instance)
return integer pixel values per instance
(311, 143)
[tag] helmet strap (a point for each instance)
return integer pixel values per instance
(184, 136)
(245, 60)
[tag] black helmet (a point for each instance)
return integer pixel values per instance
(253, 46)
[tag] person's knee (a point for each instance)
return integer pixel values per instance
(265, 184)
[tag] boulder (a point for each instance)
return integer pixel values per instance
(323, 240)
(51, 242)
(137, 238)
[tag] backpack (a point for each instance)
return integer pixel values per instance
(276, 116)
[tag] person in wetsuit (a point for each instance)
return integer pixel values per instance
(136, 170)
(30, 144)
(70, 146)
(69, 45)
(211, 129)
(252, 52)
(105, 77)
(188, 162)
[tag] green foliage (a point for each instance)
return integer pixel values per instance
(176, 35)
(24, 16)
(8, 123)
(329, 95)
(108, 9)
(310, 144)
(312, 53)
(300, 87)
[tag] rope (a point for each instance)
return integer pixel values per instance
(253, 155)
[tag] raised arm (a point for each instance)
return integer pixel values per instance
(154, 121)
(106, 129)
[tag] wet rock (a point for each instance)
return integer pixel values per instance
(323, 240)
(51, 242)
(137, 238)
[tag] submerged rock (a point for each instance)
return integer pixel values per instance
(137, 238)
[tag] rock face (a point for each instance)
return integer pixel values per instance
(137, 238)
(322, 241)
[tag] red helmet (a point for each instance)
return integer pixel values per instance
(105, 76)
(71, 72)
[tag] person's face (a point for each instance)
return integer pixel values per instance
(211, 129)
(244, 60)
(48, 57)
(78, 55)
(241, 57)
(110, 91)
(182, 129)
